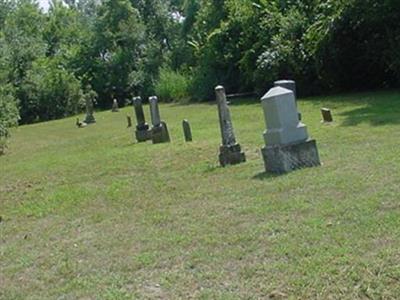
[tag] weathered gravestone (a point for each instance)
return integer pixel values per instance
(129, 121)
(290, 85)
(142, 131)
(187, 131)
(287, 144)
(159, 131)
(115, 107)
(230, 151)
(89, 101)
(326, 115)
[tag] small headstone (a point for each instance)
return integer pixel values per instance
(287, 144)
(80, 124)
(187, 131)
(142, 132)
(326, 115)
(289, 85)
(230, 150)
(159, 131)
(115, 107)
(89, 101)
(129, 121)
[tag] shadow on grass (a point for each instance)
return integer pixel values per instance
(375, 108)
(265, 175)
(375, 114)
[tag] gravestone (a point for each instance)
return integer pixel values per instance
(129, 121)
(230, 151)
(142, 131)
(287, 144)
(115, 107)
(80, 124)
(89, 101)
(326, 115)
(290, 85)
(159, 131)
(187, 131)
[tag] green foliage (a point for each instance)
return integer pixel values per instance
(119, 46)
(8, 114)
(172, 86)
(54, 91)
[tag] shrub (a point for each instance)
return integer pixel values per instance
(53, 91)
(172, 86)
(8, 115)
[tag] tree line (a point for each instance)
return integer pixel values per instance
(181, 49)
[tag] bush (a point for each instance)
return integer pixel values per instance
(172, 86)
(52, 91)
(8, 115)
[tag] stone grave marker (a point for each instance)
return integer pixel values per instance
(115, 107)
(187, 131)
(89, 101)
(142, 131)
(159, 131)
(326, 115)
(290, 85)
(287, 144)
(230, 150)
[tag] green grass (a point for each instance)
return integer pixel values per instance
(89, 214)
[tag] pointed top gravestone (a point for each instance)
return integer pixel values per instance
(287, 84)
(287, 145)
(230, 150)
(281, 118)
(290, 85)
(225, 121)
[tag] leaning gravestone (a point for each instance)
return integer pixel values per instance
(89, 99)
(230, 150)
(326, 115)
(115, 107)
(287, 144)
(290, 85)
(187, 131)
(142, 132)
(159, 131)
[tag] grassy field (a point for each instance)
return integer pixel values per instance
(89, 214)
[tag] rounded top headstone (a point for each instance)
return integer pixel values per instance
(283, 81)
(219, 88)
(153, 98)
(276, 91)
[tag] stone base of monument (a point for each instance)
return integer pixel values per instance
(160, 134)
(286, 158)
(90, 120)
(143, 135)
(231, 155)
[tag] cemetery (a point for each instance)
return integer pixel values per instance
(199, 150)
(166, 220)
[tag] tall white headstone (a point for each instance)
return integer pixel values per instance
(287, 144)
(283, 125)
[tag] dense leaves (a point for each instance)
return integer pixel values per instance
(118, 47)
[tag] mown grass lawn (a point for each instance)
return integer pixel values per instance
(89, 214)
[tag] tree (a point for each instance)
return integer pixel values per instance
(8, 115)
